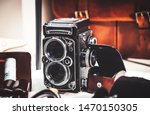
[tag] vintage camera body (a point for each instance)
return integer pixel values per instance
(66, 52)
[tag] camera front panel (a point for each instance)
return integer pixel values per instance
(66, 53)
(60, 69)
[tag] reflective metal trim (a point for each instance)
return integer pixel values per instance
(66, 77)
(57, 39)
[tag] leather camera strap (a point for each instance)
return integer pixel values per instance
(82, 9)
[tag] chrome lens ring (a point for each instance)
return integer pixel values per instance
(87, 58)
(57, 74)
(55, 49)
(90, 58)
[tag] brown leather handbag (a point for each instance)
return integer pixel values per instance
(113, 22)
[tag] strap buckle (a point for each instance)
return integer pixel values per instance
(81, 14)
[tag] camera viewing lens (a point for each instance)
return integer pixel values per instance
(55, 49)
(57, 74)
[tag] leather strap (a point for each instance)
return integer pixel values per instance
(82, 9)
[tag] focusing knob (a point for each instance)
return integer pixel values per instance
(91, 40)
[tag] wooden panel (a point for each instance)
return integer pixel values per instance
(133, 42)
(112, 21)
(110, 8)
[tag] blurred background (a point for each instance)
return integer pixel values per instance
(115, 23)
(17, 26)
